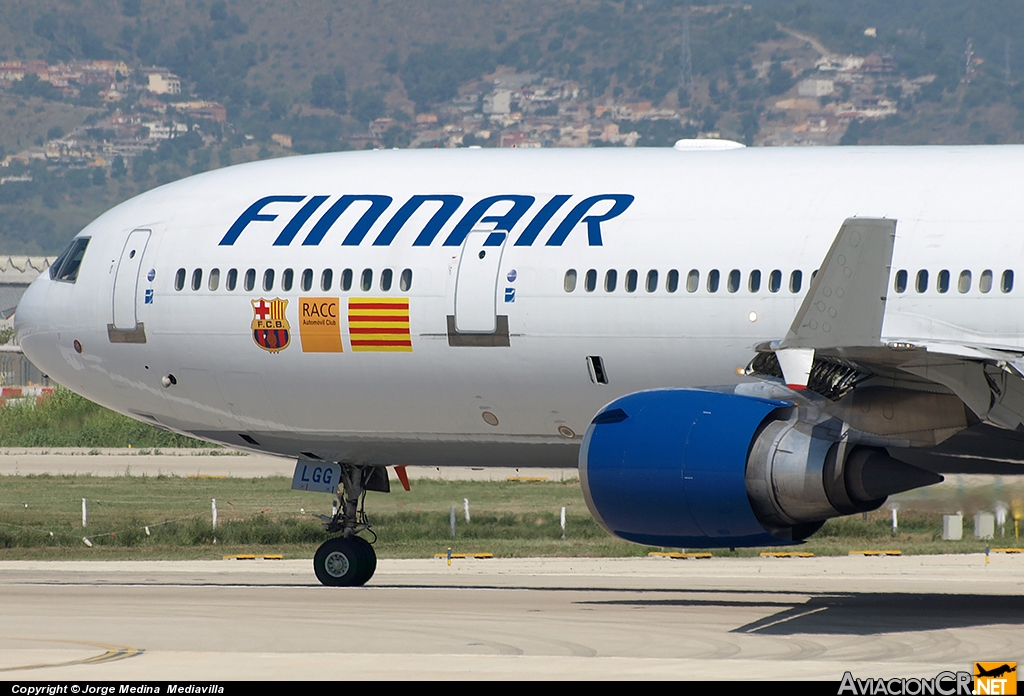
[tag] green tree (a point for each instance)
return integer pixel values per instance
(117, 168)
(140, 166)
(396, 136)
(367, 105)
(433, 74)
(328, 91)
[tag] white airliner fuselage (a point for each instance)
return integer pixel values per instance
(481, 306)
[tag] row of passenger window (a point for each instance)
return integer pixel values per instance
(712, 281)
(734, 281)
(326, 280)
(963, 285)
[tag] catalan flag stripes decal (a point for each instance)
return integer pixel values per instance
(379, 324)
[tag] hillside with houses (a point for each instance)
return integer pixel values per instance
(101, 100)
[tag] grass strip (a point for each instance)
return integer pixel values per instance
(40, 518)
(66, 419)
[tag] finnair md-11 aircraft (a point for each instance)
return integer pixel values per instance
(733, 344)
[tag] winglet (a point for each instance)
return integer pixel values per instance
(845, 305)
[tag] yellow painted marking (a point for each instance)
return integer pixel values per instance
(786, 554)
(357, 323)
(528, 478)
(888, 552)
(382, 336)
(112, 654)
(253, 557)
(381, 349)
(676, 554)
(357, 311)
(464, 555)
(356, 301)
(1008, 550)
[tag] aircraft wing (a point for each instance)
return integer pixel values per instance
(967, 401)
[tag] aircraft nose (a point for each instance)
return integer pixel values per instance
(28, 314)
(33, 323)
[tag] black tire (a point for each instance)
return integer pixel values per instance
(367, 559)
(340, 562)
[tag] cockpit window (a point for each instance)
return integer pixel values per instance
(65, 268)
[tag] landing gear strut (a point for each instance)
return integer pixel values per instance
(349, 560)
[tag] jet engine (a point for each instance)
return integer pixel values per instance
(700, 469)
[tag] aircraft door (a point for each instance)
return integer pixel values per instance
(126, 280)
(476, 283)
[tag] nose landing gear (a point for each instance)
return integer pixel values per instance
(349, 560)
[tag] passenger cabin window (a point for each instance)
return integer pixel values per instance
(405, 281)
(631, 280)
(611, 278)
(775, 281)
(197, 279)
(346, 279)
(287, 278)
(214, 278)
(713, 278)
(692, 280)
(985, 284)
(65, 268)
(326, 279)
(232, 280)
(250, 279)
(268, 280)
(796, 281)
(900, 284)
(570, 280)
(964, 285)
(179, 279)
(386, 276)
(734, 280)
(366, 282)
(942, 281)
(1007, 284)
(307, 280)
(672, 282)
(590, 281)
(922, 281)
(754, 282)
(652, 281)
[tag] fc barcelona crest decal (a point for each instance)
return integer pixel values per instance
(270, 328)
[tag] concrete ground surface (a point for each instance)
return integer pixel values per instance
(511, 619)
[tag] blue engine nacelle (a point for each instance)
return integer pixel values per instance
(698, 469)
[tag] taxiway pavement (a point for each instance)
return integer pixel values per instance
(511, 619)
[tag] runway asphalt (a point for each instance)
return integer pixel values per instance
(511, 619)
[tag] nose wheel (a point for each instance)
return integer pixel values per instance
(349, 560)
(344, 562)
